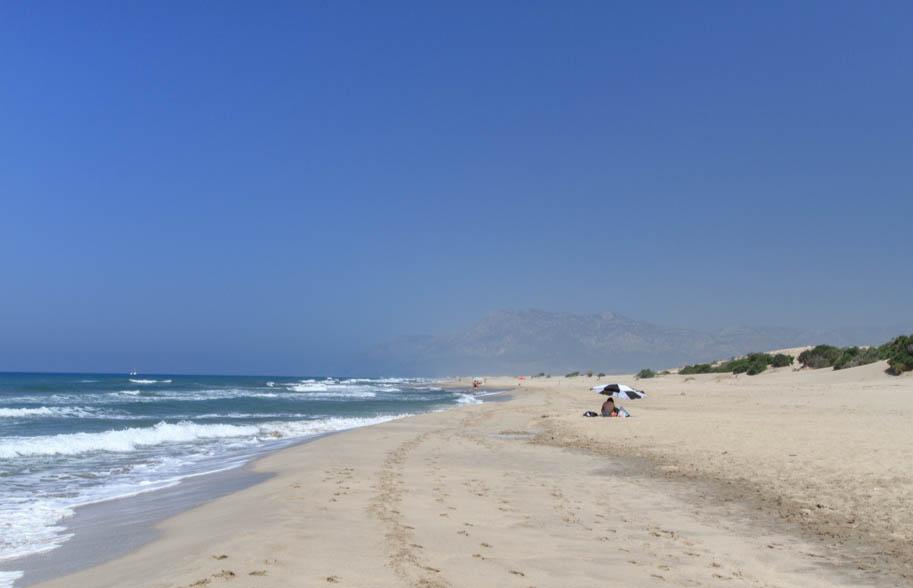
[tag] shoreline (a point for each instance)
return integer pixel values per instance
(105, 530)
(379, 506)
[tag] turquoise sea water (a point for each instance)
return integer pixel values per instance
(68, 440)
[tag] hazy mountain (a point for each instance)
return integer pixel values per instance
(530, 341)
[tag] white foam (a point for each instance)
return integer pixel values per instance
(119, 441)
(31, 527)
(7, 579)
(343, 394)
(25, 412)
(129, 439)
(320, 390)
(142, 381)
(45, 411)
(467, 399)
(308, 387)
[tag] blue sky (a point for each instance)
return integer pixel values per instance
(271, 187)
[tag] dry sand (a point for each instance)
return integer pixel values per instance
(782, 479)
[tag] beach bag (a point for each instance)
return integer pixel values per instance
(590, 413)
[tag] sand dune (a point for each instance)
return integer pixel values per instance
(782, 479)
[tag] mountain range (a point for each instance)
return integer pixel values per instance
(533, 341)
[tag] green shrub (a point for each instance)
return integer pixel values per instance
(646, 373)
(735, 366)
(899, 353)
(752, 364)
(589, 374)
(572, 375)
(820, 356)
(854, 356)
(781, 360)
(698, 368)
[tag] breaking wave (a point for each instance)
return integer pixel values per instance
(130, 439)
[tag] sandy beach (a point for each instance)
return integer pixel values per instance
(788, 478)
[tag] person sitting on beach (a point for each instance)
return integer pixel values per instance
(610, 410)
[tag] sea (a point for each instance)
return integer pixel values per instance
(70, 440)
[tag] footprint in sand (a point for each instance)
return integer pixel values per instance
(257, 573)
(333, 579)
(224, 574)
(221, 556)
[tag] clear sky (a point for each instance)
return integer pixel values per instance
(269, 187)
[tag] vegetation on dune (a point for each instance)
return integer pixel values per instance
(899, 353)
(856, 356)
(698, 368)
(782, 360)
(820, 356)
(752, 364)
(824, 356)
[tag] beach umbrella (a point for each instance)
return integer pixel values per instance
(619, 391)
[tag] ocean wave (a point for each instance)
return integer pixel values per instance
(45, 411)
(130, 439)
(342, 394)
(26, 412)
(324, 391)
(308, 387)
(247, 415)
(467, 399)
(142, 381)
